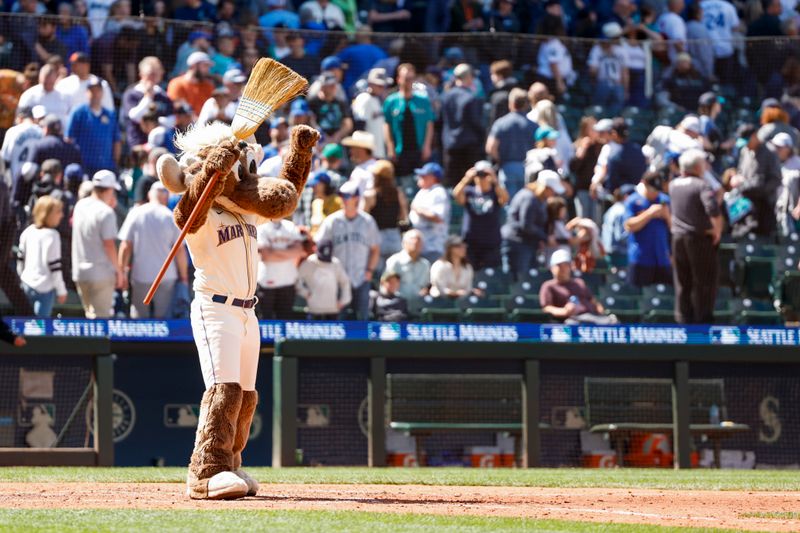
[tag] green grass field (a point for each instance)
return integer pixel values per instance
(294, 521)
(127, 520)
(777, 480)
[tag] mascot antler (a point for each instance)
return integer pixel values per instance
(271, 85)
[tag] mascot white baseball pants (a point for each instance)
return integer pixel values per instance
(228, 342)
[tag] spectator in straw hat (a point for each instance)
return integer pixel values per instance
(360, 147)
(368, 109)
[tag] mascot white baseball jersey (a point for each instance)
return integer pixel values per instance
(223, 243)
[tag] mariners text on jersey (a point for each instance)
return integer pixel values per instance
(235, 231)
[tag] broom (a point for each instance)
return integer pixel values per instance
(271, 85)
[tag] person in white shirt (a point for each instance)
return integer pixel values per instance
(603, 129)
(280, 245)
(673, 27)
(430, 210)
(17, 143)
(452, 275)
(368, 109)
(361, 146)
(74, 87)
(324, 284)
(554, 60)
(414, 270)
(607, 65)
(39, 265)
(722, 21)
(147, 235)
(325, 12)
(45, 94)
(95, 264)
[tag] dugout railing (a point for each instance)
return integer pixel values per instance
(524, 359)
(48, 354)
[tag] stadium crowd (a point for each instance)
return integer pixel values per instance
(452, 173)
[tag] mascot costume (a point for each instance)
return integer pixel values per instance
(222, 244)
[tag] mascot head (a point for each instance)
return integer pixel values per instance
(244, 190)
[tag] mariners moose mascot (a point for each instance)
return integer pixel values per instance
(221, 235)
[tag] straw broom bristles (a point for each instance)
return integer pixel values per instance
(271, 85)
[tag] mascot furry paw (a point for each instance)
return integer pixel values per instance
(222, 243)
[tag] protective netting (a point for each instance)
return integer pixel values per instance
(664, 83)
(596, 415)
(46, 402)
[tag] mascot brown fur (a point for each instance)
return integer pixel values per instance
(246, 199)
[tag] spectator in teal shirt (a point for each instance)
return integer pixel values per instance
(409, 124)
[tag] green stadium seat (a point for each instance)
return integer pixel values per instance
(476, 309)
(659, 290)
(526, 308)
(756, 268)
(659, 309)
(617, 288)
(440, 309)
(626, 308)
(593, 280)
(757, 312)
(492, 281)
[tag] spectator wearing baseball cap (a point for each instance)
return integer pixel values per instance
(483, 198)
(368, 109)
(356, 243)
(759, 178)
(608, 67)
(544, 155)
(326, 199)
(429, 211)
(147, 235)
(299, 113)
(387, 304)
(95, 129)
(332, 115)
(194, 86)
(709, 106)
(526, 224)
(95, 265)
(647, 219)
(683, 83)
(789, 192)
(627, 164)
(463, 133)
(74, 87)
(568, 299)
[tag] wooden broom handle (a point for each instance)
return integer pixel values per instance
(175, 247)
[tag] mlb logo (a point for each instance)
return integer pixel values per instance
(554, 333)
(183, 415)
(725, 335)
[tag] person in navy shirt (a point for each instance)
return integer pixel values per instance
(94, 129)
(647, 221)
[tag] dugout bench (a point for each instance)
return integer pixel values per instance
(423, 404)
(525, 359)
(623, 407)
